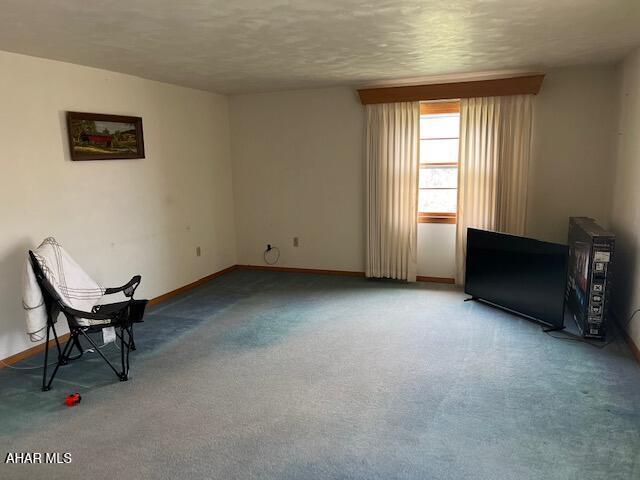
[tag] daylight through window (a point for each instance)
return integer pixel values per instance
(439, 137)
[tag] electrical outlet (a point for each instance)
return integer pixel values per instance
(295, 242)
(198, 252)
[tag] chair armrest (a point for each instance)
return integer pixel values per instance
(97, 315)
(128, 289)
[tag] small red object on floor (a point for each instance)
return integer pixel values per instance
(73, 400)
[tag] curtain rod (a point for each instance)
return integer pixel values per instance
(527, 84)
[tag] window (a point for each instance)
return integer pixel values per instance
(438, 183)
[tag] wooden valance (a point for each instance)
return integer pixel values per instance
(529, 84)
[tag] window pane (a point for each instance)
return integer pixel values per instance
(439, 177)
(438, 151)
(440, 201)
(440, 126)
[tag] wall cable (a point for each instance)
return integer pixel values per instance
(269, 249)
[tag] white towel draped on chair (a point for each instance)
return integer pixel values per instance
(75, 287)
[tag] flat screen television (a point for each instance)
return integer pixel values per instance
(523, 275)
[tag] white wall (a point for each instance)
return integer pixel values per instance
(298, 170)
(437, 250)
(625, 211)
(570, 174)
(117, 218)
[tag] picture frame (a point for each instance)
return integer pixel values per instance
(98, 136)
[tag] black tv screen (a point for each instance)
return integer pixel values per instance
(520, 274)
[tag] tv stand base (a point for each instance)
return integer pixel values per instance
(553, 329)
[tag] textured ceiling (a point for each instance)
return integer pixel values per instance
(251, 45)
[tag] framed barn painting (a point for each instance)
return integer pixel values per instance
(95, 136)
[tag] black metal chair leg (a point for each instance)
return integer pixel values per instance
(131, 341)
(123, 375)
(46, 361)
(129, 349)
(76, 343)
(55, 336)
(62, 358)
(97, 349)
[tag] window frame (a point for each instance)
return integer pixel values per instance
(436, 108)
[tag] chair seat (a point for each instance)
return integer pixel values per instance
(136, 311)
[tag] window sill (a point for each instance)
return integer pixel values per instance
(449, 218)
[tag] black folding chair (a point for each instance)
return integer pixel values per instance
(121, 315)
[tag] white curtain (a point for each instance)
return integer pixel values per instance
(392, 167)
(495, 148)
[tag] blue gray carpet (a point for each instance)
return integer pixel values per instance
(262, 375)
